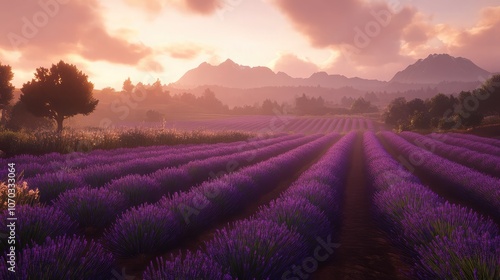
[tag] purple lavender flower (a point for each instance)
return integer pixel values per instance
(256, 249)
(51, 185)
(299, 215)
(147, 229)
(137, 189)
(463, 255)
(93, 209)
(319, 194)
(61, 258)
(192, 266)
(35, 223)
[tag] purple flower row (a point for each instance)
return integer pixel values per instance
(53, 184)
(465, 141)
(150, 229)
(464, 181)
(277, 241)
(446, 241)
(60, 258)
(471, 137)
(94, 209)
(485, 163)
(162, 154)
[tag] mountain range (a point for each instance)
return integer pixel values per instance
(435, 70)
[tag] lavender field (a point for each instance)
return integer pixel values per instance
(321, 198)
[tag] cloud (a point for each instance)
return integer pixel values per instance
(294, 66)
(369, 32)
(203, 7)
(56, 29)
(150, 65)
(480, 43)
(184, 50)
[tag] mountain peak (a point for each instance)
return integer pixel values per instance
(232, 75)
(228, 62)
(438, 68)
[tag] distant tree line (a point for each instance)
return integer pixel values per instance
(305, 105)
(63, 91)
(445, 112)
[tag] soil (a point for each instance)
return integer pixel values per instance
(364, 252)
(445, 190)
(195, 241)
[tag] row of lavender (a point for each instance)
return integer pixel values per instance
(281, 123)
(286, 239)
(154, 228)
(471, 185)
(472, 142)
(52, 184)
(482, 162)
(95, 209)
(477, 139)
(337, 125)
(76, 161)
(445, 241)
(65, 257)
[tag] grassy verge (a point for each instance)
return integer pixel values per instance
(42, 141)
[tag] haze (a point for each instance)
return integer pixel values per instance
(162, 39)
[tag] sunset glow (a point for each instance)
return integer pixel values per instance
(162, 39)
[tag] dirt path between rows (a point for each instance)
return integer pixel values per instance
(195, 241)
(364, 251)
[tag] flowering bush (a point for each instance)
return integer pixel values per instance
(24, 195)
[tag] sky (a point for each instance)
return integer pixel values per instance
(146, 40)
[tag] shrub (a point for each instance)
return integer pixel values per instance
(24, 195)
(144, 230)
(137, 189)
(51, 185)
(35, 223)
(256, 249)
(172, 179)
(61, 258)
(93, 209)
(463, 255)
(192, 266)
(299, 215)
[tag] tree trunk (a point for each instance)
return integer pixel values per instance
(59, 124)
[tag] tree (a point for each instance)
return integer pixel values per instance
(439, 106)
(469, 118)
(489, 94)
(397, 112)
(20, 118)
(6, 88)
(360, 105)
(416, 105)
(128, 86)
(153, 116)
(59, 93)
(420, 120)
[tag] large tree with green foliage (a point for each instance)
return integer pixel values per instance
(489, 95)
(6, 88)
(397, 112)
(59, 93)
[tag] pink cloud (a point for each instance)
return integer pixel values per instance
(367, 32)
(480, 43)
(54, 29)
(184, 50)
(203, 7)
